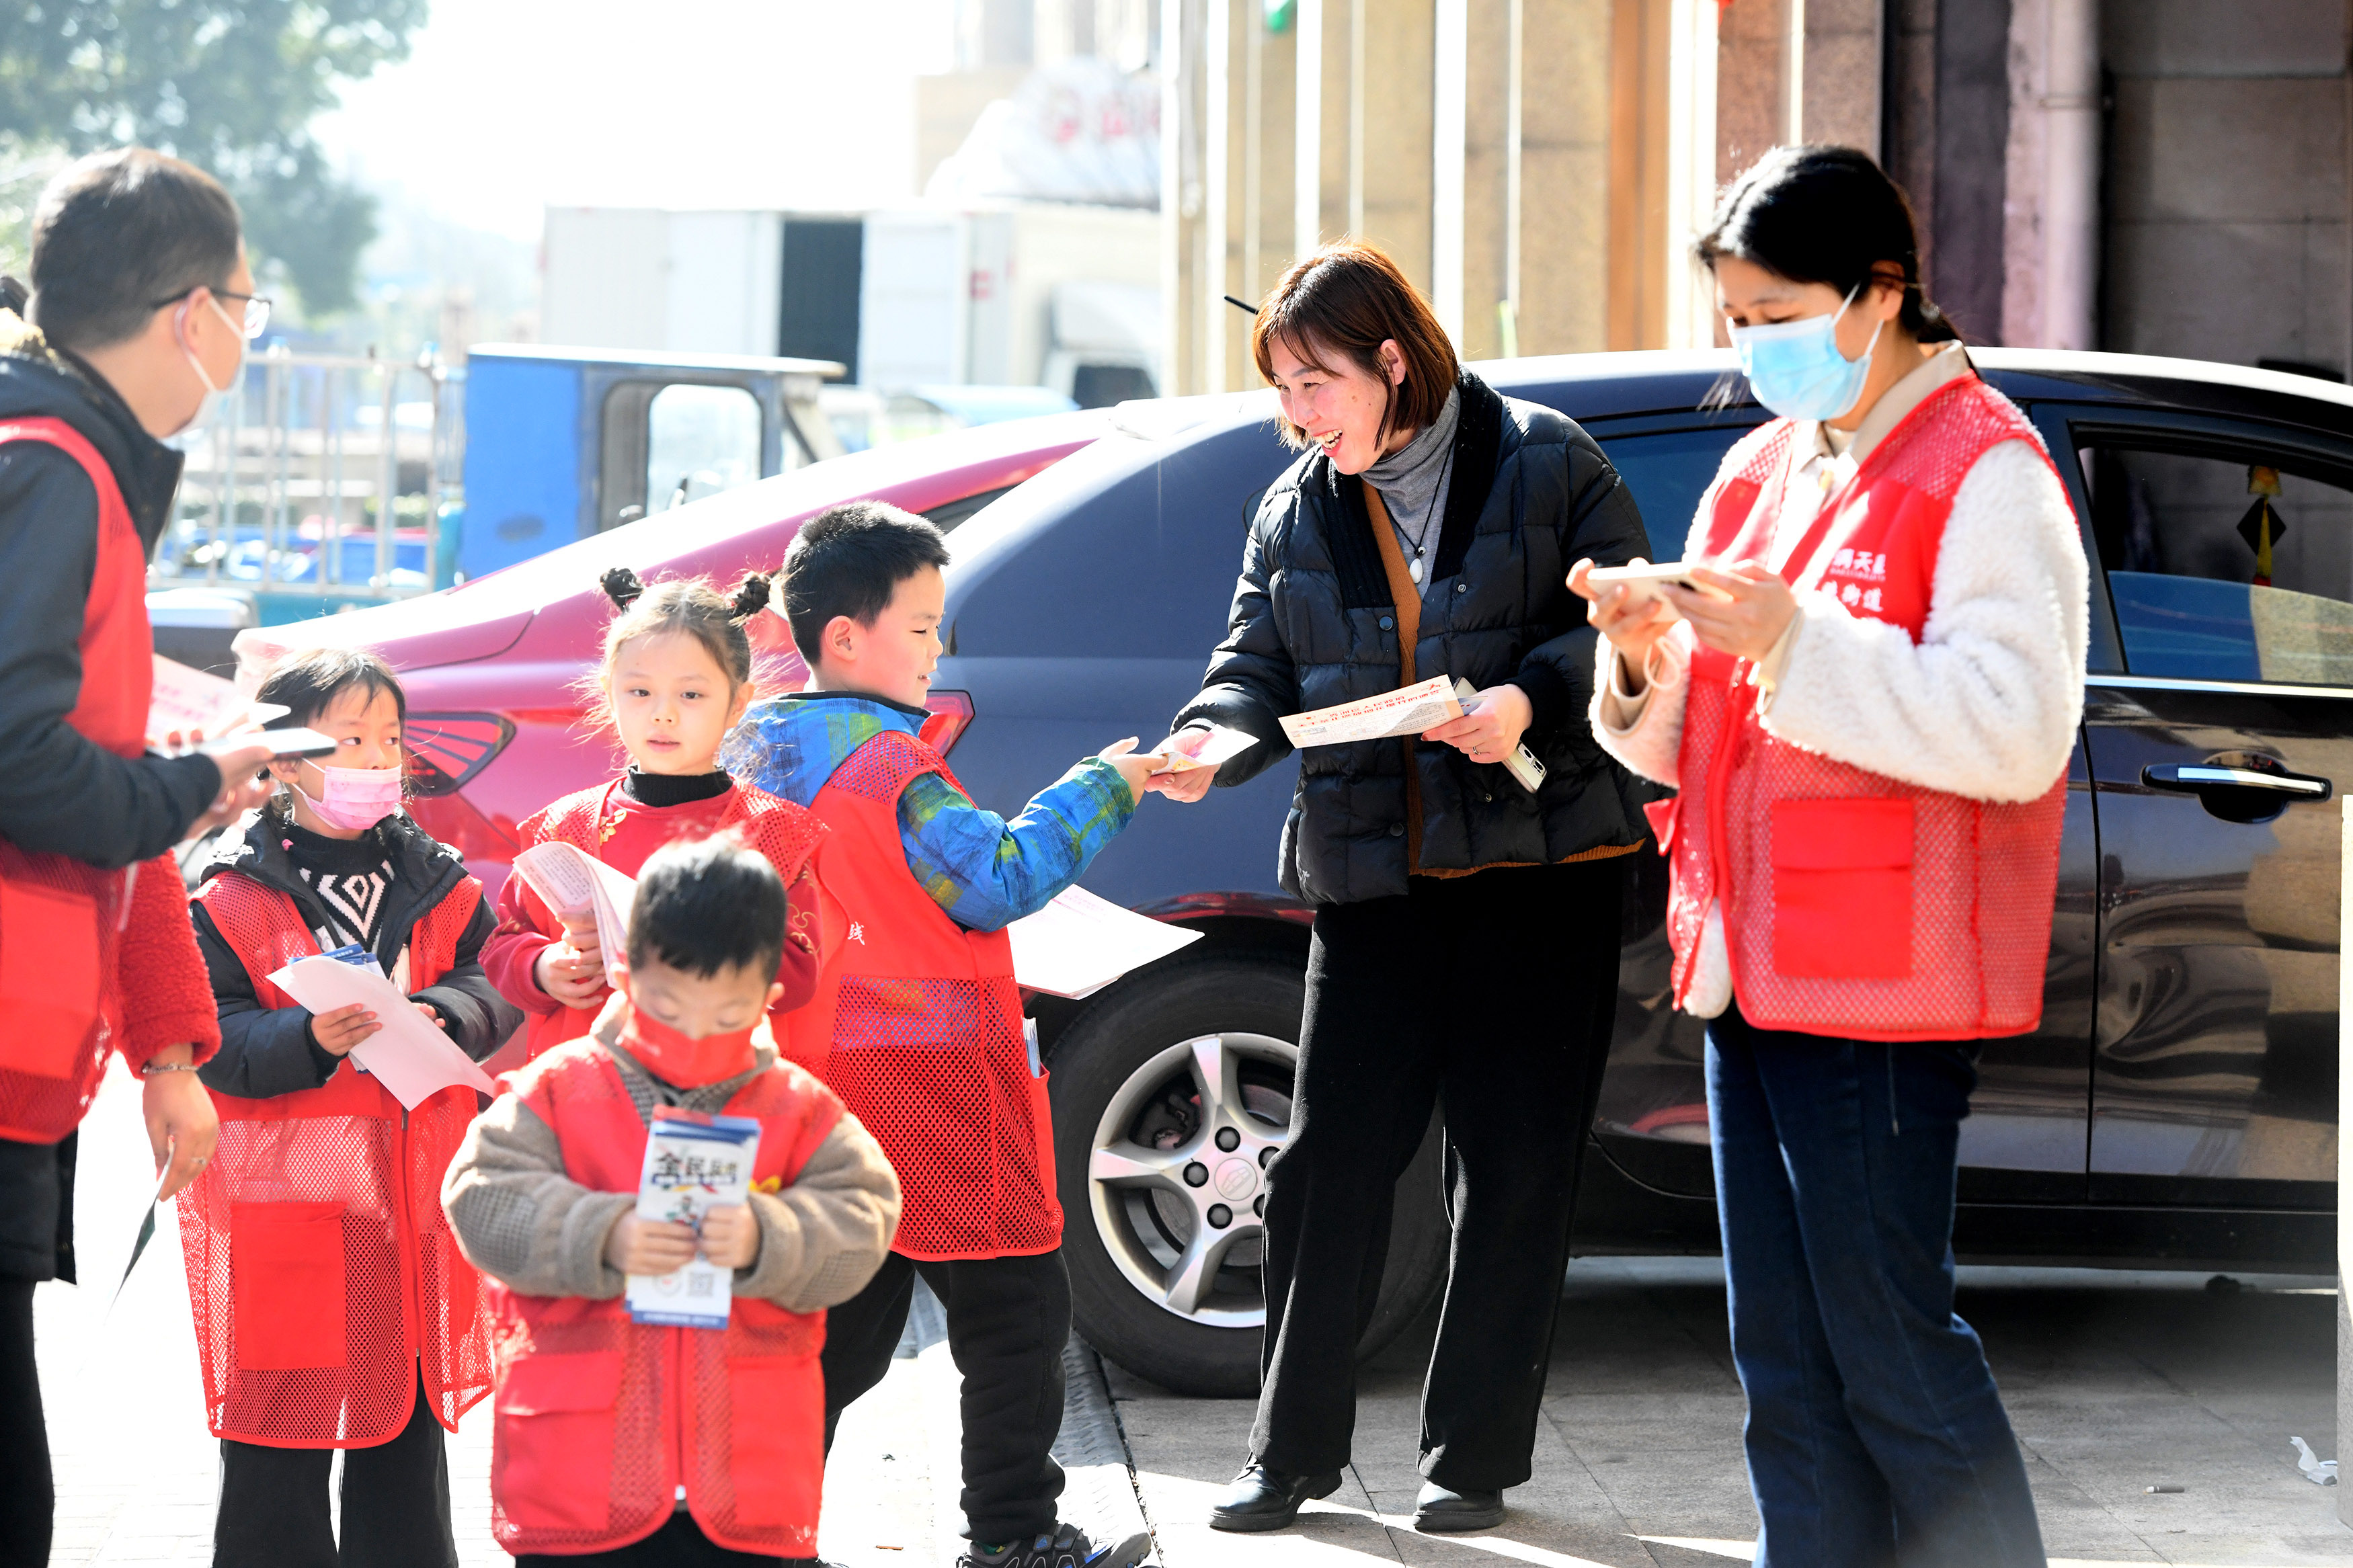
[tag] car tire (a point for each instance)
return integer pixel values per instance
(1133, 1061)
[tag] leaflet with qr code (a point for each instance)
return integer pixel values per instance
(693, 1165)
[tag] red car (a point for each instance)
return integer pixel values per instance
(495, 717)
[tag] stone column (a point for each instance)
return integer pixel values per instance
(1397, 134)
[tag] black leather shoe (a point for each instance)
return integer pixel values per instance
(1442, 1508)
(1261, 1498)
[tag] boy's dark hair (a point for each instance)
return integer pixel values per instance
(309, 683)
(119, 234)
(848, 560)
(708, 904)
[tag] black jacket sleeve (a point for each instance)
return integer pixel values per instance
(1252, 681)
(472, 1012)
(60, 792)
(264, 1051)
(1602, 522)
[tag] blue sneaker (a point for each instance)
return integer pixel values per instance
(1066, 1547)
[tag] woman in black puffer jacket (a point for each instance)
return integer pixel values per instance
(1465, 949)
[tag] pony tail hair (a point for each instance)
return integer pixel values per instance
(621, 586)
(751, 597)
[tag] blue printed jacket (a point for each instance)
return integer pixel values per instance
(984, 871)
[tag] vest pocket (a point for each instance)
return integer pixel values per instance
(775, 1438)
(287, 1277)
(554, 1466)
(1842, 888)
(49, 977)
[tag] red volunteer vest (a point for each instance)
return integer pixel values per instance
(601, 1420)
(321, 1268)
(1855, 905)
(778, 828)
(59, 918)
(916, 1023)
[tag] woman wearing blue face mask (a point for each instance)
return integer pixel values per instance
(1868, 717)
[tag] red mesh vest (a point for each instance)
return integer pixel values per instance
(916, 1023)
(1855, 905)
(601, 1420)
(59, 918)
(779, 829)
(321, 1268)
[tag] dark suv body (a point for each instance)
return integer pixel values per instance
(2178, 1105)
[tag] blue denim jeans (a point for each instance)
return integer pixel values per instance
(1875, 1435)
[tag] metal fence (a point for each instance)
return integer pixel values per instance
(327, 479)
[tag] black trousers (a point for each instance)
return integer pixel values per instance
(27, 1496)
(681, 1543)
(1509, 1037)
(273, 1504)
(1008, 1318)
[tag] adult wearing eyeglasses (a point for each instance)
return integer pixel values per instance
(1867, 712)
(140, 308)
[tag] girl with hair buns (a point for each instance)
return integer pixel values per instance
(675, 677)
(1868, 719)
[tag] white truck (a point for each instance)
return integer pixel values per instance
(1021, 294)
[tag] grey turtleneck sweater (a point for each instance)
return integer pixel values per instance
(1411, 481)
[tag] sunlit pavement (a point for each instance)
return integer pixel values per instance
(2116, 1383)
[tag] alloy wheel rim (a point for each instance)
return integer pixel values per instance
(1182, 1217)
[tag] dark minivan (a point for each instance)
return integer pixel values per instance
(2178, 1106)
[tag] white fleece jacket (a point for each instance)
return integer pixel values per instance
(1985, 705)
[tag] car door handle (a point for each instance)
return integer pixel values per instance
(2191, 777)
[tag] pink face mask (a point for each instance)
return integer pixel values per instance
(356, 798)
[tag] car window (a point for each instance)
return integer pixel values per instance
(2224, 562)
(700, 440)
(1668, 471)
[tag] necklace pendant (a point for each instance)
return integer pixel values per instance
(1413, 568)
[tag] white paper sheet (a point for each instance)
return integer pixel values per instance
(693, 1163)
(571, 883)
(1080, 943)
(189, 700)
(410, 1057)
(1222, 746)
(1407, 710)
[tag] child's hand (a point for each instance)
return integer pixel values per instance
(431, 1017)
(573, 975)
(731, 1235)
(636, 1246)
(1193, 784)
(1136, 767)
(339, 1031)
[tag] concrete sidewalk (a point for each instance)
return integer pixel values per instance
(2116, 1383)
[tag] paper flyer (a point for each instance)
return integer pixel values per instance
(189, 700)
(1080, 943)
(410, 1057)
(693, 1163)
(1222, 746)
(569, 882)
(1408, 710)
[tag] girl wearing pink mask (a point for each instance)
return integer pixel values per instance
(333, 1308)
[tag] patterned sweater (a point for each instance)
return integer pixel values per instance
(984, 871)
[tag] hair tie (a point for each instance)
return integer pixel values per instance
(621, 586)
(751, 597)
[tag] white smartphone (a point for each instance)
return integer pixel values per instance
(1644, 580)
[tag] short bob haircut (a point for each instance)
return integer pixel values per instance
(1346, 301)
(1824, 214)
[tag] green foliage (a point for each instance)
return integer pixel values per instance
(229, 85)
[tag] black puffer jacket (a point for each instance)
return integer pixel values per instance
(269, 1051)
(1314, 624)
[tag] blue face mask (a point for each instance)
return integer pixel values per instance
(1795, 367)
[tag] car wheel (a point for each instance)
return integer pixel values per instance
(1169, 1099)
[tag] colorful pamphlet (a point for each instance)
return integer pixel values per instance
(694, 1163)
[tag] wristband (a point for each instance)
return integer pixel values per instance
(149, 1069)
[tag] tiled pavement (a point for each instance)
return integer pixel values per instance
(2115, 1384)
